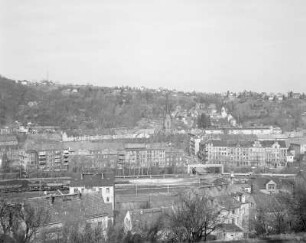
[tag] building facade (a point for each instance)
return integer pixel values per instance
(89, 183)
(244, 153)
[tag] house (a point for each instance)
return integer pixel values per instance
(271, 185)
(66, 209)
(235, 209)
(88, 183)
(137, 221)
(296, 95)
(272, 207)
(290, 157)
(228, 232)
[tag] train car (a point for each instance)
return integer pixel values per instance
(13, 186)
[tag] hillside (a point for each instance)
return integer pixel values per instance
(82, 107)
(287, 114)
(86, 107)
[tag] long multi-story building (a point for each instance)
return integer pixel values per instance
(262, 132)
(144, 155)
(47, 156)
(244, 153)
(140, 155)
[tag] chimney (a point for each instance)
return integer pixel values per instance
(82, 176)
(102, 176)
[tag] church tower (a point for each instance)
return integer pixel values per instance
(167, 123)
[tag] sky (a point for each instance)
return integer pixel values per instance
(190, 45)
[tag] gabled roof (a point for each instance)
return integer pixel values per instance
(228, 202)
(93, 180)
(261, 182)
(229, 228)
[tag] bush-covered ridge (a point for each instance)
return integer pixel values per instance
(89, 107)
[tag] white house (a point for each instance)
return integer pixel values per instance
(92, 183)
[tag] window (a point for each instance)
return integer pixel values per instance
(107, 199)
(271, 187)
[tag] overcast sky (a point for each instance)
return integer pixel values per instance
(202, 45)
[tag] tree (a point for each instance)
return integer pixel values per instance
(22, 221)
(297, 205)
(194, 218)
(204, 121)
(82, 232)
(8, 216)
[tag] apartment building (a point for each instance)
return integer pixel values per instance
(244, 153)
(140, 155)
(144, 155)
(47, 156)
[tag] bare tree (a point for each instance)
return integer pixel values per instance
(78, 233)
(297, 205)
(8, 216)
(194, 217)
(22, 221)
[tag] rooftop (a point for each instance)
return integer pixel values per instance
(93, 180)
(73, 207)
(244, 143)
(229, 228)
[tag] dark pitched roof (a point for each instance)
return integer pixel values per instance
(93, 180)
(269, 143)
(244, 143)
(228, 202)
(261, 181)
(231, 143)
(74, 207)
(229, 228)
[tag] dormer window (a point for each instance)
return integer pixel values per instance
(271, 187)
